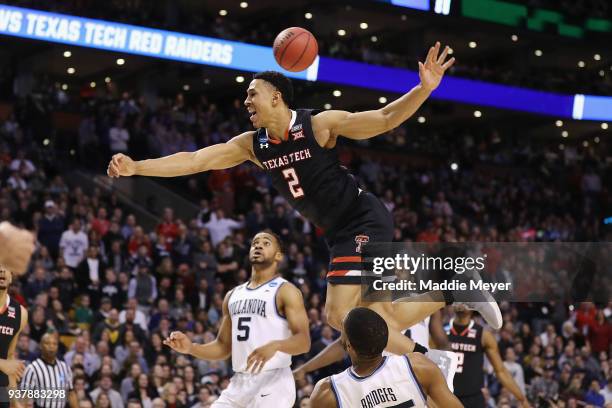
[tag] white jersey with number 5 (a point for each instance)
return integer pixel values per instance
(256, 322)
(392, 384)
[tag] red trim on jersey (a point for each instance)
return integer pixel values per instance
(463, 333)
(337, 273)
(346, 259)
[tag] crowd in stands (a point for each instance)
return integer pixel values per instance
(114, 290)
(359, 46)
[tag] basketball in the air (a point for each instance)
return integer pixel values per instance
(295, 49)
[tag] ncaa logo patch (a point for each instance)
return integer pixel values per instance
(272, 284)
(263, 141)
(11, 312)
(296, 128)
(361, 240)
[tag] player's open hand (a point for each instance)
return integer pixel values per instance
(17, 247)
(178, 341)
(14, 368)
(121, 165)
(260, 356)
(432, 71)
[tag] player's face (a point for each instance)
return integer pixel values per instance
(261, 97)
(264, 250)
(5, 278)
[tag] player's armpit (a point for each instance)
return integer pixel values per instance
(323, 396)
(431, 379)
(291, 303)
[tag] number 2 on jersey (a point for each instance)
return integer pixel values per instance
(460, 362)
(294, 182)
(244, 328)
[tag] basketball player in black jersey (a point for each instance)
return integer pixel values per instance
(297, 149)
(13, 318)
(471, 341)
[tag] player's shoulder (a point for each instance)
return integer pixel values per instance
(244, 138)
(323, 394)
(287, 288)
(422, 367)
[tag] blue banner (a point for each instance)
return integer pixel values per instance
(130, 39)
(125, 38)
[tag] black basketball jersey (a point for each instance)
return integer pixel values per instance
(466, 341)
(308, 176)
(10, 321)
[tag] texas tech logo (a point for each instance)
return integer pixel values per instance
(361, 240)
(6, 330)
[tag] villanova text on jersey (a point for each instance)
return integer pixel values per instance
(307, 175)
(248, 306)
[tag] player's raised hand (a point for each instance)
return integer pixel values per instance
(260, 356)
(121, 165)
(432, 71)
(17, 247)
(178, 341)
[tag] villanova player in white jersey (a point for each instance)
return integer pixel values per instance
(377, 381)
(264, 323)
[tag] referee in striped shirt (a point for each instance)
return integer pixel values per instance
(51, 377)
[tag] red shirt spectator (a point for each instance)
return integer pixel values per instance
(168, 228)
(139, 238)
(101, 224)
(600, 333)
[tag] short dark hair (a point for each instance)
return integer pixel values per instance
(367, 332)
(280, 82)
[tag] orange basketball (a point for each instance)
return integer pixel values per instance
(295, 49)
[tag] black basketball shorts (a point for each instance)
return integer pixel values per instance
(368, 222)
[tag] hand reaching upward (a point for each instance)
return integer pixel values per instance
(432, 71)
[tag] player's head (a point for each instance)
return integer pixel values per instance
(462, 310)
(266, 249)
(6, 278)
(268, 91)
(48, 346)
(365, 333)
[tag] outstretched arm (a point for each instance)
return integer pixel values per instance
(329, 355)
(323, 395)
(367, 124)
(215, 157)
(219, 349)
(431, 379)
(505, 378)
(291, 303)
(436, 329)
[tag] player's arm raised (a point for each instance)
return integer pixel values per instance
(216, 157)
(490, 347)
(292, 304)
(323, 395)
(431, 379)
(363, 125)
(219, 349)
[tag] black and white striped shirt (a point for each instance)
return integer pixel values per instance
(52, 380)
